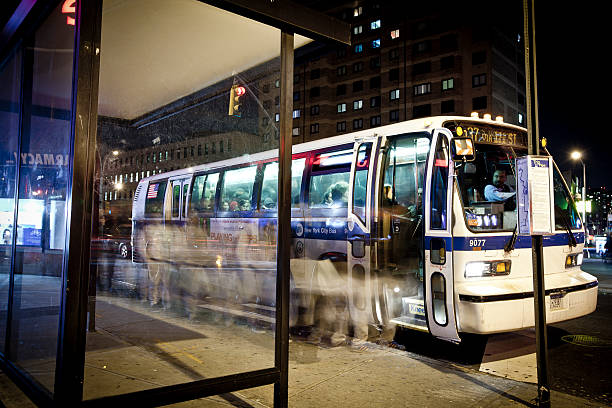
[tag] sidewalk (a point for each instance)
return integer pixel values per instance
(603, 272)
(373, 376)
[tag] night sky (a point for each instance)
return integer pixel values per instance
(574, 87)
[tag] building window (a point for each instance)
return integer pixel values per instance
(422, 46)
(421, 111)
(358, 48)
(358, 123)
(214, 147)
(447, 62)
(315, 92)
(341, 89)
(314, 110)
(357, 29)
(295, 131)
(267, 104)
(264, 121)
(479, 57)
(296, 96)
(374, 25)
(394, 34)
(229, 145)
(375, 121)
(314, 128)
(394, 54)
(221, 146)
(357, 11)
(375, 62)
(277, 83)
(375, 82)
(206, 148)
(277, 117)
(341, 71)
(341, 52)
(341, 127)
(341, 107)
(394, 94)
(422, 89)
(479, 103)
(358, 104)
(374, 101)
(199, 150)
(394, 115)
(376, 43)
(315, 74)
(520, 118)
(479, 80)
(447, 106)
(448, 84)
(296, 113)
(421, 68)
(296, 78)
(276, 100)
(394, 74)
(358, 66)
(358, 86)
(448, 42)
(266, 88)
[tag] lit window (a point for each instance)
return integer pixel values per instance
(358, 47)
(520, 118)
(448, 84)
(314, 128)
(357, 29)
(357, 11)
(422, 89)
(341, 107)
(358, 104)
(376, 43)
(296, 131)
(296, 113)
(277, 117)
(394, 94)
(394, 34)
(374, 25)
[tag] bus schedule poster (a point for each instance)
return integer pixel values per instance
(534, 195)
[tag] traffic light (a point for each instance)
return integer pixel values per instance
(236, 93)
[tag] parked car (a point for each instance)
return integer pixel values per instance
(115, 240)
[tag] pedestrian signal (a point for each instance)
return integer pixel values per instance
(236, 93)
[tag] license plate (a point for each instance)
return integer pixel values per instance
(556, 301)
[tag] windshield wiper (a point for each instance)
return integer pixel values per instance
(510, 244)
(566, 223)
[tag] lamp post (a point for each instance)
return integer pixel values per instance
(578, 156)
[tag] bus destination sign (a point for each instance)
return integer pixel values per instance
(487, 134)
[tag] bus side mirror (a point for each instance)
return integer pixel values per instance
(462, 149)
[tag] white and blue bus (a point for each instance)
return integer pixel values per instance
(383, 221)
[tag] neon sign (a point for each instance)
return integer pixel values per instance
(67, 8)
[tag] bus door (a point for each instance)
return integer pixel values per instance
(175, 229)
(438, 282)
(363, 307)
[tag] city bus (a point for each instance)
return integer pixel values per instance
(388, 230)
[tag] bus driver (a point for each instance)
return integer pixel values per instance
(499, 190)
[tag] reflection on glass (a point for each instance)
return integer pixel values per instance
(41, 219)
(9, 132)
(194, 298)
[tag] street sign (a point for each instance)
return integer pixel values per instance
(534, 195)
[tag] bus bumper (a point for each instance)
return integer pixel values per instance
(515, 311)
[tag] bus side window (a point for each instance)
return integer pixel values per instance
(438, 186)
(269, 194)
(203, 193)
(154, 204)
(237, 189)
(329, 180)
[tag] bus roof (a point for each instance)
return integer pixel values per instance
(415, 125)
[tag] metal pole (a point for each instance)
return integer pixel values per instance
(539, 297)
(584, 220)
(281, 396)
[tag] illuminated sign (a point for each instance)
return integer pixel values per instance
(580, 206)
(488, 134)
(69, 8)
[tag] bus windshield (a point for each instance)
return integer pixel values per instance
(487, 187)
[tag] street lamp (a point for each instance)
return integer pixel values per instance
(576, 155)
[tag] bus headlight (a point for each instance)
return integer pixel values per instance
(492, 268)
(573, 260)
